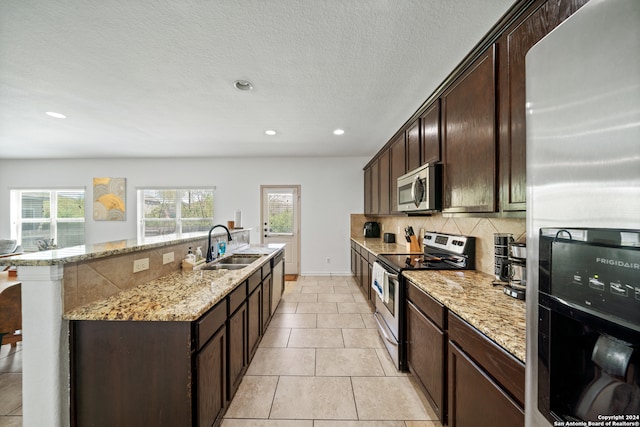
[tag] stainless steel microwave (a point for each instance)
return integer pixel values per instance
(421, 189)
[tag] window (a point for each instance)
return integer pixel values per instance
(163, 212)
(280, 208)
(43, 219)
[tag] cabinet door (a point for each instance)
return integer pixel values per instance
(237, 343)
(469, 139)
(425, 356)
(513, 45)
(367, 191)
(384, 173)
(398, 168)
(430, 126)
(354, 262)
(414, 160)
(375, 188)
(254, 321)
(211, 366)
(266, 302)
(475, 400)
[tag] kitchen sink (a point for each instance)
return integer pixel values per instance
(220, 266)
(240, 259)
(232, 262)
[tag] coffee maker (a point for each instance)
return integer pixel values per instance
(371, 229)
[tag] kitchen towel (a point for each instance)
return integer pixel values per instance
(378, 279)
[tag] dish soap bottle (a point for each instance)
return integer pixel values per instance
(191, 258)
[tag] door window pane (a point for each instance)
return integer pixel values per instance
(280, 213)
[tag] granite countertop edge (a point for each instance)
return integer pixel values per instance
(100, 250)
(181, 296)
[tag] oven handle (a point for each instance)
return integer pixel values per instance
(392, 276)
(383, 330)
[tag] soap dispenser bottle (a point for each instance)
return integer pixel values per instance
(191, 258)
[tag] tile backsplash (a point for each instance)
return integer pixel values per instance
(481, 228)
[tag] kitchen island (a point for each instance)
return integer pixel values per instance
(171, 352)
(60, 280)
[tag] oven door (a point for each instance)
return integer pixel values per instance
(388, 319)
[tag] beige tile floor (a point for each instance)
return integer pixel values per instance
(321, 363)
(11, 386)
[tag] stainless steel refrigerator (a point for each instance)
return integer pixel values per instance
(583, 150)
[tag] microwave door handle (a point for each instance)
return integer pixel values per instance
(413, 191)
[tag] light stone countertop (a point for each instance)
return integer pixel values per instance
(471, 296)
(102, 250)
(377, 246)
(179, 296)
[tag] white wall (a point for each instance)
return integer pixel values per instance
(331, 189)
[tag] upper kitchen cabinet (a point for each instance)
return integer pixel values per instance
(512, 46)
(469, 138)
(385, 187)
(430, 132)
(368, 195)
(398, 167)
(413, 146)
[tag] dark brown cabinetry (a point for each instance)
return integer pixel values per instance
(167, 373)
(368, 206)
(426, 346)
(430, 133)
(117, 368)
(513, 45)
(386, 186)
(469, 139)
(238, 356)
(397, 166)
(211, 365)
(413, 146)
(361, 266)
(485, 383)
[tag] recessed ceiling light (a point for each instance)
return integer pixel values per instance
(270, 132)
(56, 115)
(338, 132)
(243, 85)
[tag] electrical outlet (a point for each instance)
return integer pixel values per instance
(167, 258)
(140, 265)
(328, 260)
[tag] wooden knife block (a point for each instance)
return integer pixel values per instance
(413, 246)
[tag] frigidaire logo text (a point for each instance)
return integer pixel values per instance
(618, 263)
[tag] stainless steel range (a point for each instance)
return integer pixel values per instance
(441, 252)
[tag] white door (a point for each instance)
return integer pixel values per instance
(280, 219)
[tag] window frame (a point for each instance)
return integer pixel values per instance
(140, 202)
(15, 207)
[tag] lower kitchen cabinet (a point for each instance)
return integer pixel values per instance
(238, 355)
(485, 383)
(426, 347)
(211, 366)
(267, 287)
(254, 323)
(119, 367)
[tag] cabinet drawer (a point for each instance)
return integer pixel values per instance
(237, 297)
(210, 322)
(506, 369)
(254, 280)
(429, 306)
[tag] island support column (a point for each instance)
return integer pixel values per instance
(45, 354)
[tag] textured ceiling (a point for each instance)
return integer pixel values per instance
(147, 78)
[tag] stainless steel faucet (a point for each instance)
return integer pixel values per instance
(210, 256)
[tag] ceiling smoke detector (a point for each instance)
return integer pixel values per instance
(243, 85)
